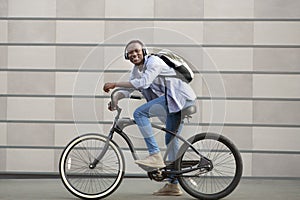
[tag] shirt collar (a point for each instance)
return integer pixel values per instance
(145, 61)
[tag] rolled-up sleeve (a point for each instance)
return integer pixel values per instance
(126, 91)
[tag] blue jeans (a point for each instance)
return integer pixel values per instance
(158, 108)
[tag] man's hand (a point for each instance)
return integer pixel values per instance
(108, 86)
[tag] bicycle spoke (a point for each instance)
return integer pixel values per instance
(217, 181)
(86, 181)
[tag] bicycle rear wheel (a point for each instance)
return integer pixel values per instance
(217, 182)
(79, 178)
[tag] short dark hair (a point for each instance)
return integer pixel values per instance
(134, 41)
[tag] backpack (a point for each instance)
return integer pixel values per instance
(182, 69)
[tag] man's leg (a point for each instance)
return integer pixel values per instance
(141, 115)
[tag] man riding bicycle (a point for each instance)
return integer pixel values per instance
(166, 96)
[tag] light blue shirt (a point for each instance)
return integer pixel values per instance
(152, 76)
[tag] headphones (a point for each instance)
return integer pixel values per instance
(144, 50)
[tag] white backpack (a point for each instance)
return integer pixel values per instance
(182, 69)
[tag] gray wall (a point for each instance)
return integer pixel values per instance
(247, 52)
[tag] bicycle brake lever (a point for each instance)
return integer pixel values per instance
(188, 118)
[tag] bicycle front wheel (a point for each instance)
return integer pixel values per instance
(225, 174)
(91, 183)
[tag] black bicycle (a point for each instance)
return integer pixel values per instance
(208, 165)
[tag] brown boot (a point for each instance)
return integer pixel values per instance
(169, 190)
(155, 161)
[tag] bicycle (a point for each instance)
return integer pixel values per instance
(208, 165)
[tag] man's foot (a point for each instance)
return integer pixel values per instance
(155, 161)
(169, 190)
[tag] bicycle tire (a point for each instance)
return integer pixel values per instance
(227, 167)
(87, 183)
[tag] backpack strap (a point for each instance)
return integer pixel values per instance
(178, 75)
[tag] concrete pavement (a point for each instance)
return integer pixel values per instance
(141, 189)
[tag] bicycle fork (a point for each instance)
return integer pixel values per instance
(105, 148)
(109, 138)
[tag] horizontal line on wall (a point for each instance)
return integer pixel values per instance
(149, 19)
(187, 124)
(30, 147)
(249, 72)
(64, 70)
(249, 98)
(154, 45)
(128, 71)
(145, 149)
(270, 152)
(107, 97)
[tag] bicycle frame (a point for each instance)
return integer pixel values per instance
(199, 176)
(120, 124)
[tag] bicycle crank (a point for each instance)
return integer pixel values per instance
(157, 175)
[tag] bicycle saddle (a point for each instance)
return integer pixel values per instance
(188, 111)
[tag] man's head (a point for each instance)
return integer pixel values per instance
(135, 52)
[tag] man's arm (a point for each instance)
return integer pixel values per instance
(108, 86)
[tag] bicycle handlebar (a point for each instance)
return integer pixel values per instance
(119, 89)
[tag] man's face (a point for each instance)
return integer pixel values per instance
(135, 53)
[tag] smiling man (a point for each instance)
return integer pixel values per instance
(166, 96)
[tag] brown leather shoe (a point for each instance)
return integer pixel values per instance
(169, 190)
